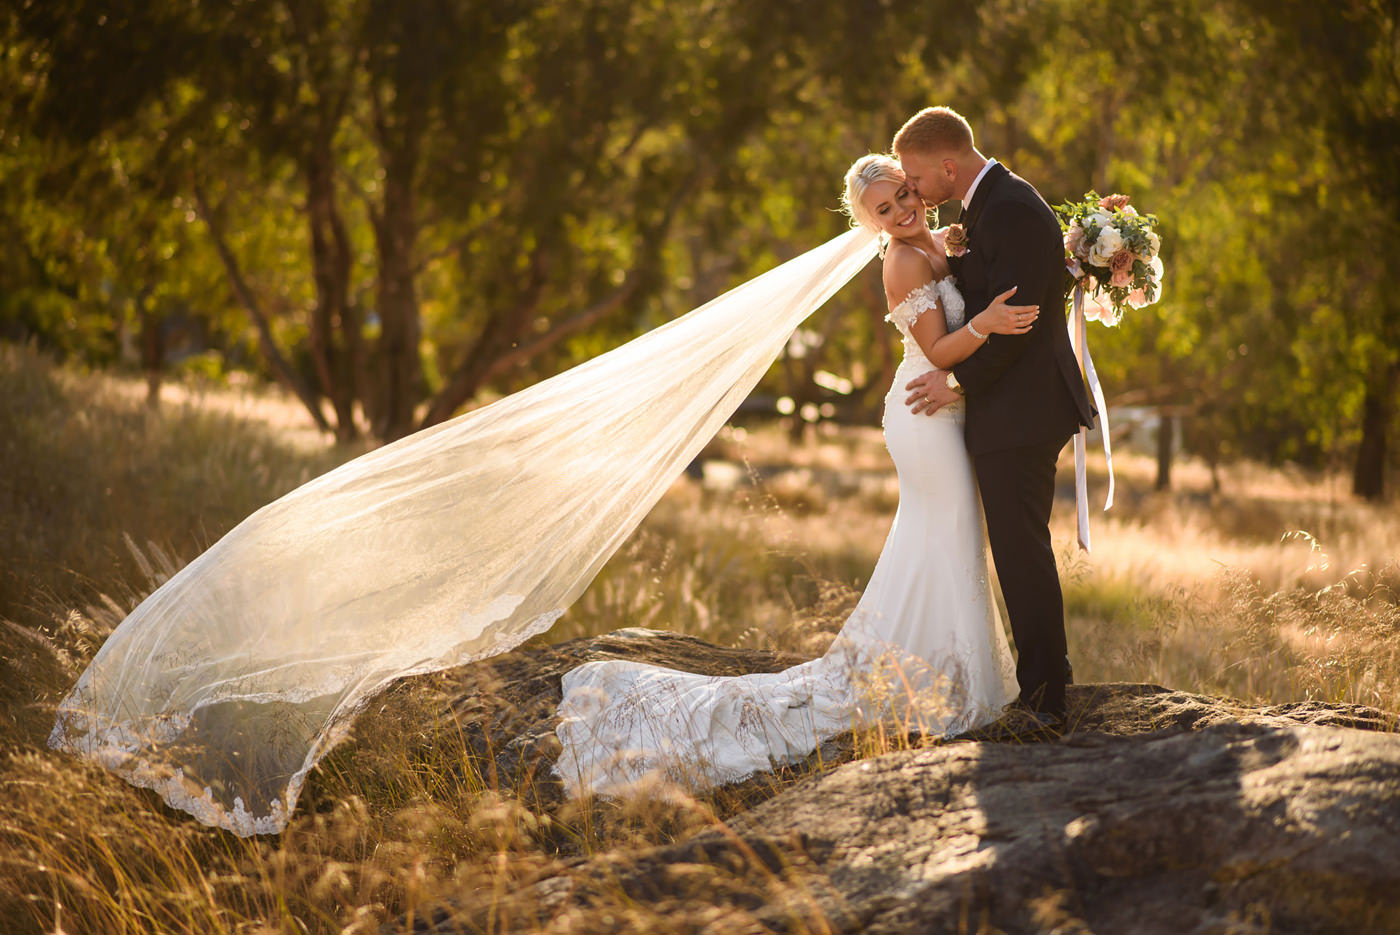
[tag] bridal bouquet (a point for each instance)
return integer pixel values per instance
(1111, 252)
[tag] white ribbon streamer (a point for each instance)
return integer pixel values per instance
(1079, 338)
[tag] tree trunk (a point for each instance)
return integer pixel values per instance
(152, 354)
(800, 376)
(281, 369)
(1166, 425)
(1377, 414)
(400, 120)
(396, 233)
(874, 397)
(332, 328)
(793, 381)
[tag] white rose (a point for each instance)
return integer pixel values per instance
(1098, 219)
(1154, 244)
(1155, 269)
(1108, 243)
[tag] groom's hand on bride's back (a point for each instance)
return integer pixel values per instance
(930, 393)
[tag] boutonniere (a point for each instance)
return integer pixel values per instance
(955, 240)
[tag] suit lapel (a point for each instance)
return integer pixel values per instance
(979, 200)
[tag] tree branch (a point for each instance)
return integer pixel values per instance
(472, 374)
(563, 329)
(281, 369)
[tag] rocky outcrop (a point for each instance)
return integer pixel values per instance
(1159, 812)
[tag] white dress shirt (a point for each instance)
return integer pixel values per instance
(973, 187)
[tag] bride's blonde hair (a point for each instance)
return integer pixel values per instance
(864, 172)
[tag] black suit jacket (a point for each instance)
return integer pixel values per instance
(1022, 389)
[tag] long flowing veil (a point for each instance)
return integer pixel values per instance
(227, 684)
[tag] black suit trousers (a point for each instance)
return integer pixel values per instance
(1018, 489)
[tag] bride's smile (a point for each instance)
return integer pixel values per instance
(896, 209)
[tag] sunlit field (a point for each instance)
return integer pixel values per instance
(1277, 587)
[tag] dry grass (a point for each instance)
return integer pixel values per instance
(99, 498)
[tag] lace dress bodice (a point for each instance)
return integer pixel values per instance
(922, 299)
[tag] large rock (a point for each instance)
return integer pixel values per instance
(1160, 812)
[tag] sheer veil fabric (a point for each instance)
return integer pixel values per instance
(224, 687)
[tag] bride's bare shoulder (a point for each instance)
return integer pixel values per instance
(906, 268)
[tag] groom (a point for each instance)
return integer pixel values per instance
(1025, 395)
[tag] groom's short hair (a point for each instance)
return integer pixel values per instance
(934, 130)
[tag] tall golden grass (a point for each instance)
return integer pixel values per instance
(1277, 588)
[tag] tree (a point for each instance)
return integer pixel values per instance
(420, 205)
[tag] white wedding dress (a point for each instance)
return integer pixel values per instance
(924, 645)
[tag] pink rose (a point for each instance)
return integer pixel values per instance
(1074, 241)
(1113, 202)
(955, 240)
(1100, 308)
(1120, 265)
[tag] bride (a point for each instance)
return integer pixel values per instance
(924, 643)
(226, 686)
